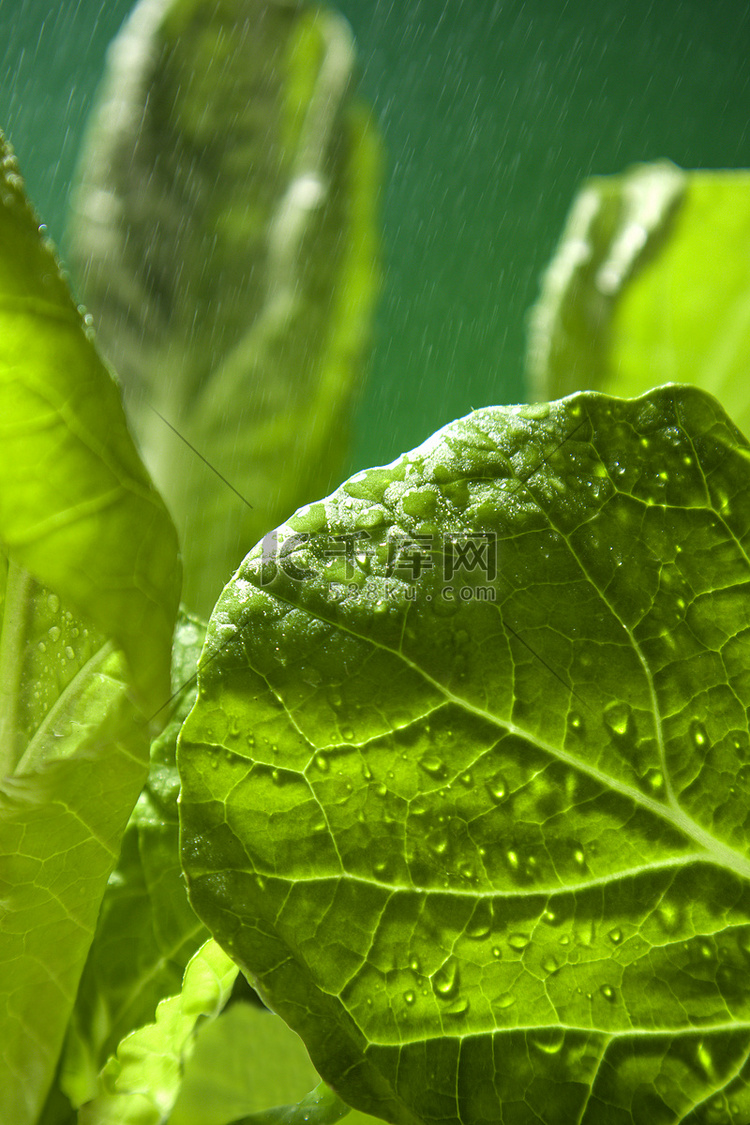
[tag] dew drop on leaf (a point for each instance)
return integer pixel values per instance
(698, 734)
(445, 982)
(459, 1007)
(519, 941)
(620, 721)
(615, 936)
(505, 1000)
(409, 997)
(432, 765)
(608, 993)
(549, 1041)
(497, 787)
(550, 964)
(321, 761)
(480, 923)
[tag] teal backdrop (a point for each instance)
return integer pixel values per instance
(491, 113)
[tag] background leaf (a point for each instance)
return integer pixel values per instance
(481, 837)
(140, 1083)
(224, 234)
(146, 931)
(79, 514)
(650, 283)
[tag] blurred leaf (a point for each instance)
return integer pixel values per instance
(139, 1085)
(225, 237)
(650, 284)
(147, 931)
(474, 816)
(79, 514)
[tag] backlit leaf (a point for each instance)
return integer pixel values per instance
(472, 808)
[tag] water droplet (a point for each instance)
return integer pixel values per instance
(579, 857)
(347, 734)
(414, 965)
(505, 1000)
(481, 922)
(519, 941)
(576, 723)
(334, 698)
(668, 915)
(608, 993)
(54, 603)
(446, 981)
(698, 734)
(437, 841)
(615, 936)
(550, 964)
(653, 780)
(42, 646)
(54, 633)
(497, 787)
(552, 917)
(321, 761)
(549, 1041)
(459, 1007)
(466, 779)
(497, 952)
(409, 997)
(619, 718)
(434, 766)
(380, 868)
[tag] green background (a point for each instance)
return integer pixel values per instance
(492, 113)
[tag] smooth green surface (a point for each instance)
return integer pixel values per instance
(146, 931)
(650, 282)
(139, 1085)
(489, 858)
(79, 514)
(72, 486)
(226, 247)
(244, 1062)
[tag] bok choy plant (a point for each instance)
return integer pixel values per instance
(463, 788)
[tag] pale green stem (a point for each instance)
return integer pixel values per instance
(12, 642)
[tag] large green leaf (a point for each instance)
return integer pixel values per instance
(482, 838)
(224, 234)
(146, 930)
(89, 584)
(77, 508)
(651, 281)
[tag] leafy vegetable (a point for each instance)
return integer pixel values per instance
(647, 285)
(146, 931)
(474, 814)
(140, 1084)
(77, 509)
(89, 572)
(225, 237)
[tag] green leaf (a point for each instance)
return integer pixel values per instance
(225, 238)
(140, 1083)
(147, 931)
(72, 487)
(650, 282)
(481, 837)
(89, 566)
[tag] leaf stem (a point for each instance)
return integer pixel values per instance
(12, 643)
